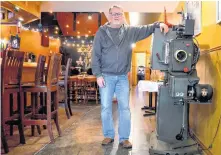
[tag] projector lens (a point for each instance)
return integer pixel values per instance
(180, 55)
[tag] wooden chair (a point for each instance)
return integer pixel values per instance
(64, 84)
(91, 90)
(50, 110)
(11, 67)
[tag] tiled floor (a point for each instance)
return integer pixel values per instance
(82, 134)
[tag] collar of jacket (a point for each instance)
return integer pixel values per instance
(121, 32)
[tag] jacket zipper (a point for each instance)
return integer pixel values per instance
(109, 35)
(117, 58)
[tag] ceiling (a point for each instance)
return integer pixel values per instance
(12, 15)
(79, 23)
(103, 6)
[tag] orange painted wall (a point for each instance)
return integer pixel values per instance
(30, 41)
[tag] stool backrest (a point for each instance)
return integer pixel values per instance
(39, 74)
(54, 69)
(11, 68)
(67, 70)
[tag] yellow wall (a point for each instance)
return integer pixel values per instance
(204, 118)
(143, 46)
(30, 41)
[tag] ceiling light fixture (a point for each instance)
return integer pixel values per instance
(133, 45)
(20, 19)
(16, 8)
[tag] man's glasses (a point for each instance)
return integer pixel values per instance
(116, 14)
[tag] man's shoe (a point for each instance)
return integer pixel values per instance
(126, 144)
(107, 141)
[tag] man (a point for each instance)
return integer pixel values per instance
(111, 59)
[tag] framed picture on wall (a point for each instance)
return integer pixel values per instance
(15, 42)
(218, 11)
(194, 8)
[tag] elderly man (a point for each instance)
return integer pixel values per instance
(111, 61)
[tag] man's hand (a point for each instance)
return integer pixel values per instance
(164, 28)
(101, 82)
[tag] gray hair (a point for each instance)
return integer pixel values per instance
(115, 6)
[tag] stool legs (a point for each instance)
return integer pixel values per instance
(56, 115)
(4, 142)
(21, 118)
(49, 126)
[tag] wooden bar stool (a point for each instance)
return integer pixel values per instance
(64, 84)
(11, 67)
(39, 81)
(50, 110)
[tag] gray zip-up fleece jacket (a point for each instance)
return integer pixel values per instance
(115, 59)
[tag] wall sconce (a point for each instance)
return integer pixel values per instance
(89, 16)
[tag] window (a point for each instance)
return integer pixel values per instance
(194, 8)
(218, 11)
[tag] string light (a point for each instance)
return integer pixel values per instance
(67, 26)
(78, 32)
(78, 22)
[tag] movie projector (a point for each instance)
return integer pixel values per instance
(176, 54)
